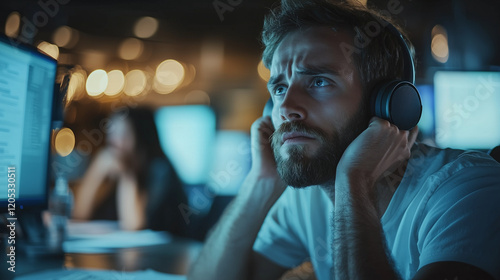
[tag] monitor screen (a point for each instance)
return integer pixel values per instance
(27, 80)
(187, 135)
(466, 109)
(426, 123)
(231, 162)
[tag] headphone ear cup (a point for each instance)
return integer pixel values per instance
(397, 102)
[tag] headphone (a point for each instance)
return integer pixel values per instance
(396, 101)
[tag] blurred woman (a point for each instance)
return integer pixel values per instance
(132, 179)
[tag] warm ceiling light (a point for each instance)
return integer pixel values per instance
(163, 89)
(64, 142)
(116, 82)
(76, 82)
(135, 82)
(189, 75)
(439, 44)
(97, 82)
(12, 24)
(264, 73)
(65, 37)
(170, 72)
(145, 27)
(50, 49)
(169, 75)
(438, 29)
(130, 49)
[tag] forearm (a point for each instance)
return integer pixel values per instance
(226, 254)
(359, 243)
(86, 193)
(131, 204)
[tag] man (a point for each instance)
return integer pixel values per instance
(367, 202)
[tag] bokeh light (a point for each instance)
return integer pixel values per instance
(97, 82)
(162, 89)
(135, 82)
(189, 74)
(439, 44)
(170, 72)
(130, 49)
(145, 27)
(264, 73)
(65, 37)
(50, 49)
(12, 24)
(116, 82)
(76, 84)
(64, 141)
(169, 75)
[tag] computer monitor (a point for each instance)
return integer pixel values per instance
(27, 79)
(466, 109)
(187, 135)
(426, 123)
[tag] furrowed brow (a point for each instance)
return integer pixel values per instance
(274, 80)
(317, 70)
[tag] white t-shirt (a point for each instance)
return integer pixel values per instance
(447, 208)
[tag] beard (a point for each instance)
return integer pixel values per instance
(301, 170)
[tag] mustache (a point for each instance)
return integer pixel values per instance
(297, 126)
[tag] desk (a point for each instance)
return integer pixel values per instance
(173, 257)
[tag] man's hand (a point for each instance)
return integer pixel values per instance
(263, 162)
(381, 147)
(228, 253)
(359, 244)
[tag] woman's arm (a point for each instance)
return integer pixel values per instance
(131, 203)
(90, 192)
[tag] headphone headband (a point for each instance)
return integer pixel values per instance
(408, 72)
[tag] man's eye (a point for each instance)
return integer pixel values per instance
(279, 90)
(320, 82)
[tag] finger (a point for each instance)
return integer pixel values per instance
(378, 121)
(268, 124)
(412, 137)
(373, 120)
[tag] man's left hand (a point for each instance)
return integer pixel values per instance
(381, 147)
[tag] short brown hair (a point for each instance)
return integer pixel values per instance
(379, 59)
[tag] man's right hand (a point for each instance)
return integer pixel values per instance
(228, 253)
(263, 162)
(262, 153)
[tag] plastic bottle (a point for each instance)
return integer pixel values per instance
(60, 206)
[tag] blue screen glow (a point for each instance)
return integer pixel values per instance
(466, 109)
(187, 135)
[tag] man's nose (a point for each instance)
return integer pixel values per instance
(292, 108)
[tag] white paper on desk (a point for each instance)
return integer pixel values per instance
(109, 242)
(81, 274)
(88, 228)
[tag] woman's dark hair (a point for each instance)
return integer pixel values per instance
(377, 59)
(147, 144)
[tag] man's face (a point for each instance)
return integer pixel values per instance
(318, 105)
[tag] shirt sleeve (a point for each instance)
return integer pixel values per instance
(279, 237)
(462, 222)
